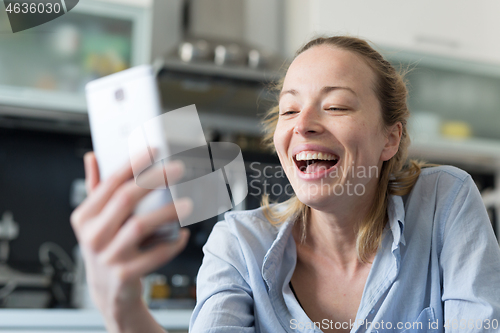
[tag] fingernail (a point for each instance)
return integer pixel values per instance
(174, 169)
(87, 157)
(183, 207)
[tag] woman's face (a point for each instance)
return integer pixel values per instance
(330, 137)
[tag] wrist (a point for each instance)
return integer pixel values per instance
(131, 317)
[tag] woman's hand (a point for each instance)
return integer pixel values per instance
(110, 235)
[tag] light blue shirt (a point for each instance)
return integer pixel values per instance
(439, 265)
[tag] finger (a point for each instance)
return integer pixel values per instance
(102, 229)
(94, 203)
(123, 203)
(160, 175)
(91, 171)
(146, 262)
(138, 228)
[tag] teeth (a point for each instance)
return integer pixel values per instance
(303, 156)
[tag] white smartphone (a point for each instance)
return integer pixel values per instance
(117, 105)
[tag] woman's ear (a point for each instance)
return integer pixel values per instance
(392, 142)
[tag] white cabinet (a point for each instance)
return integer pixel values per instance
(461, 29)
(45, 68)
(49, 65)
(137, 3)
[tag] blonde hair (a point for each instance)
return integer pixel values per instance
(390, 88)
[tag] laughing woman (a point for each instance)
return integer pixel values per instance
(364, 245)
(354, 249)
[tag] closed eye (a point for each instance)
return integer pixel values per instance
(288, 113)
(336, 109)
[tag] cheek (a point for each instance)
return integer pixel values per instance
(361, 138)
(374, 142)
(281, 146)
(281, 135)
(277, 139)
(352, 133)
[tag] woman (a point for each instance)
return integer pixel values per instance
(363, 246)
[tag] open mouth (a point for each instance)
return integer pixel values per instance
(314, 162)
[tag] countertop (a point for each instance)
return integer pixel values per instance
(73, 320)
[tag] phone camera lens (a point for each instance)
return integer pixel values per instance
(119, 95)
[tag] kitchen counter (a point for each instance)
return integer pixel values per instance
(71, 320)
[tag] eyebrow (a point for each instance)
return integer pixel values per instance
(324, 90)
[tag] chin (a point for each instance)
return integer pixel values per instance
(314, 199)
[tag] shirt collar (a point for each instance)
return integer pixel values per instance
(396, 214)
(275, 254)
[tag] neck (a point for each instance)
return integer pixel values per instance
(332, 233)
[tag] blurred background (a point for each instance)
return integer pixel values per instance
(223, 56)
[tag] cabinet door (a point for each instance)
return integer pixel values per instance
(47, 67)
(484, 42)
(366, 19)
(452, 28)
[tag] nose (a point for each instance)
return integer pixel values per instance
(308, 122)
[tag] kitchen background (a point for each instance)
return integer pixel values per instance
(221, 55)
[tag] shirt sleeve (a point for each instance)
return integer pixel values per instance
(470, 264)
(224, 298)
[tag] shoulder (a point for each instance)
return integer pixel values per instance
(446, 171)
(445, 193)
(439, 190)
(247, 224)
(246, 232)
(443, 180)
